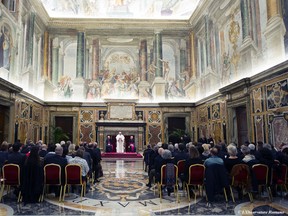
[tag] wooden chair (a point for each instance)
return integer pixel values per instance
(196, 178)
(240, 177)
(73, 176)
(164, 181)
(52, 176)
(261, 172)
(11, 177)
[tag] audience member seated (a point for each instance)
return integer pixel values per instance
(96, 158)
(167, 158)
(171, 149)
(181, 155)
(233, 159)
(57, 158)
(222, 150)
(32, 178)
(78, 159)
(15, 156)
(176, 148)
(71, 150)
(3, 154)
(215, 175)
(253, 151)
(194, 158)
(87, 157)
(43, 151)
(206, 152)
(131, 147)
(156, 157)
(249, 158)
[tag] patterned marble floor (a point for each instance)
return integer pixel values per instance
(123, 191)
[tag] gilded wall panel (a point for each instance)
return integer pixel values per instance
(278, 129)
(259, 128)
(257, 102)
(154, 134)
(86, 116)
(86, 133)
(25, 109)
(277, 94)
(216, 111)
(203, 115)
(154, 116)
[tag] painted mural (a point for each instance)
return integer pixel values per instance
(6, 44)
(139, 9)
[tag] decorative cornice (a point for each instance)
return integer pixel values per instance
(240, 84)
(8, 86)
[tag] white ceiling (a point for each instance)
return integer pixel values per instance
(121, 9)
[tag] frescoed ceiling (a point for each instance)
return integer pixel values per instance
(121, 9)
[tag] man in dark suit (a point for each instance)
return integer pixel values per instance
(16, 157)
(181, 155)
(58, 159)
(109, 146)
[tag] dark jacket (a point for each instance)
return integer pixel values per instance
(16, 158)
(32, 182)
(215, 180)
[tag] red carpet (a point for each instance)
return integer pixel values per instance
(121, 155)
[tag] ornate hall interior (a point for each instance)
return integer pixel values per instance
(151, 69)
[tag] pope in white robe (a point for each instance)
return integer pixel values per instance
(120, 143)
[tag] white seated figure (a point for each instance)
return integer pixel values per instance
(120, 143)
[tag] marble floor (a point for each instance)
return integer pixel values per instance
(122, 191)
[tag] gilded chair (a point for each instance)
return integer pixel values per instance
(168, 178)
(52, 176)
(261, 173)
(240, 177)
(11, 177)
(73, 176)
(196, 179)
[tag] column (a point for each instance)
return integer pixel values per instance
(207, 42)
(80, 63)
(61, 63)
(158, 55)
(245, 18)
(182, 60)
(159, 84)
(55, 61)
(95, 59)
(45, 55)
(31, 36)
(86, 74)
(272, 9)
(78, 83)
(274, 33)
(192, 56)
(143, 59)
(248, 46)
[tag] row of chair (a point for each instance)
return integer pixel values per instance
(52, 176)
(240, 177)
